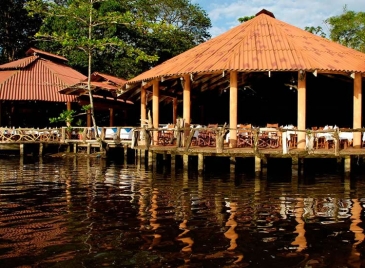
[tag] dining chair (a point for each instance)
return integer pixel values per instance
(274, 136)
(320, 140)
(166, 137)
(206, 137)
(244, 135)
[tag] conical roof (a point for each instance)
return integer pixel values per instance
(263, 43)
(37, 77)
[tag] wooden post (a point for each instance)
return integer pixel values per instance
(173, 163)
(185, 162)
(75, 147)
(174, 110)
(68, 104)
(200, 163)
(88, 148)
(40, 149)
(154, 160)
(284, 142)
(337, 142)
(155, 109)
(232, 166)
(21, 149)
(357, 116)
(347, 163)
(125, 151)
(301, 109)
(233, 110)
(150, 159)
(186, 106)
(111, 117)
(257, 164)
(143, 106)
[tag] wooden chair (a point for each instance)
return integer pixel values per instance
(274, 137)
(167, 137)
(244, 135)
(320, 141)
(207, 137)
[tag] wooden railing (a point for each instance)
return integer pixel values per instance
(64, 134)
(186, 137)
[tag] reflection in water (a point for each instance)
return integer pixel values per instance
(86, 212)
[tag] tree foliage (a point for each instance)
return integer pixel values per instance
(245, 18)
(16, 29)
(151, 32)
(316, 30)
(348, 29)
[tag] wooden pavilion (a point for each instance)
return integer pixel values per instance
(105, 90)
(29, 89)
(261, 47)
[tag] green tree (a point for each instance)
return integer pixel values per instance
(16, 28)
(80, 25)
(348, 29)
(245, 18)
(316, 30)
(184, 26)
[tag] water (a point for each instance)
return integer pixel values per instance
(90, 212)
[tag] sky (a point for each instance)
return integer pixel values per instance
(224, 14)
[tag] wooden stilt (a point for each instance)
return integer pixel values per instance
(232, 166)
(173, 163)
(21, 148)
(257, 165)
(154, 160)
(200, 163)
(40, 153)
(185, 162)
(347, 167)
(150, 159)
(88, 148)
(75, 148)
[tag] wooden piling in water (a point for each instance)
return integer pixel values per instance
(347, 164)
(185, 162)
(257, 164)
(200, 163)
(232, 164)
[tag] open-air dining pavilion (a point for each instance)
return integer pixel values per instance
(271, 52)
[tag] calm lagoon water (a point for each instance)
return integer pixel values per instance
(92, 212)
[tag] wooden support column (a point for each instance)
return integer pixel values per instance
(155, 108)
(185, 162)
(40, 149)
(150, 159)
(143, 106)
(357, 110)
(21, 149)
(301, 121)
(68, 104)
(174, 110)
(173, 163)
(233, 110)
(186, 106)
(347, 164)
(232, 166)
(200, 163)
(257, 164)
(111, 117)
